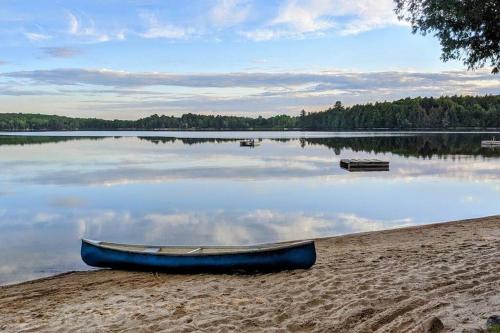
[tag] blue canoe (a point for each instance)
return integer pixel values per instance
(185, 259)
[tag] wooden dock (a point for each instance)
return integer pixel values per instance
(364, 165)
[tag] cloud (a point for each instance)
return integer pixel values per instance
(73, 24)
(3, 62)
(8, 90)
(230, 12)
(301, 18)
(36, 36)
(305, 16)
(239, 92)
(86, 29)
(260, 35)
(317, 80)
(62, 52)
(156, 29)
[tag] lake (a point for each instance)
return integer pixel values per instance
(188, 188)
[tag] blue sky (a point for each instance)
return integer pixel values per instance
(128, 59)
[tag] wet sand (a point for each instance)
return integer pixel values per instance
(387, 281)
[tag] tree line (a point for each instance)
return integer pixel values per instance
(410, 113)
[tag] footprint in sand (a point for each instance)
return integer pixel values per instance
(179, 312)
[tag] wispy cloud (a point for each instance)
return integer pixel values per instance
(36, 36)
(18, 92)
(301, 18)
(74, 25)
(157, 29)
(62, 52)
(8, 89)
(320, 80)
(306, 16)
(87, 30)
(263, 34)
(230, 12)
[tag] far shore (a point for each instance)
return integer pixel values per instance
(385, 281)
(340, 130)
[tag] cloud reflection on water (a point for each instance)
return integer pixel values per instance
(68, 201)
(51, 241)
(253, 168)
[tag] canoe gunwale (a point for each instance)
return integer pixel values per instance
(258, 248)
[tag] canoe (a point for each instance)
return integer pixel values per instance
(191, 259)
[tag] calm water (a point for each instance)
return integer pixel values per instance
(202, 188)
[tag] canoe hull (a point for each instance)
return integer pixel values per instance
(302, 256)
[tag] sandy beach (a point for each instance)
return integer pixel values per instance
(387, 281)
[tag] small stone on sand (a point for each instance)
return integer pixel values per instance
(433, 325)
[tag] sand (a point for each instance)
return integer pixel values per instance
(388, 281)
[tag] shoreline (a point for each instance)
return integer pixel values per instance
(390, 280)
(325, 238)
(457, 130)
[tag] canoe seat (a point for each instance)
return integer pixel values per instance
(151, 249)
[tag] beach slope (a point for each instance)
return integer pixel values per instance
(386, 281)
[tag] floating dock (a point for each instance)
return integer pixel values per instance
(249, 143)
(364, 165)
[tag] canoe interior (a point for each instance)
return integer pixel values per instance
(191, 250)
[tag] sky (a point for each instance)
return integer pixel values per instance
(128, 59)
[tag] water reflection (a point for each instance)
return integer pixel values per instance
(164, 190)
(50, 241)
(426, 145)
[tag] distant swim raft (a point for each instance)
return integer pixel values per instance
(192, 259)
(249, 143)
(493, 143)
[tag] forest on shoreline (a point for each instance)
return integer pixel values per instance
(449, 112)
